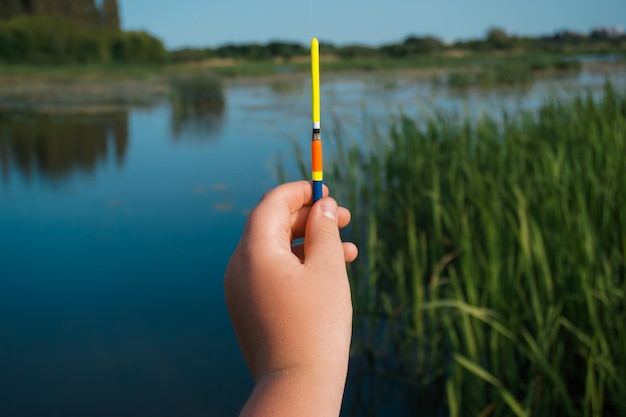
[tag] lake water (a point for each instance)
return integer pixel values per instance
(116, 227)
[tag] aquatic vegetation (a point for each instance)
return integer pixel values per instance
(504, 74)
(492, 272)
(460, 80)
(382, 82)
(196, 93)
(197, 103)
(281, 86)
(511, 71)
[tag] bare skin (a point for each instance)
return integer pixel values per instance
(290, 306)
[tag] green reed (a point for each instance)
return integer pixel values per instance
(197, 102)
(511, 71)
(196, 93)
(492, 267)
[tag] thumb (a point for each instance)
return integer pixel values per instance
(322, 243)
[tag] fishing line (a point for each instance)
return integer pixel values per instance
(310, 18)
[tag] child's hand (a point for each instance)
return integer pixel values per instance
(291, 307)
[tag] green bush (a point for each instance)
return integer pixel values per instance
(136, 47)
(49, 40)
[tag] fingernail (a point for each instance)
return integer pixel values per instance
(329, 209)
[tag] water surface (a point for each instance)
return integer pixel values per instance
(116, 228)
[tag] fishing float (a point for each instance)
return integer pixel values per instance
(317, 174)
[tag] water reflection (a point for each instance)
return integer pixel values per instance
(197, 105)
(196, 125)
(57, 145)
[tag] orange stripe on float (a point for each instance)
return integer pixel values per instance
(316, 152)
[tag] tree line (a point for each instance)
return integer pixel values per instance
(86, 14)
(70, 32)
(496, 39)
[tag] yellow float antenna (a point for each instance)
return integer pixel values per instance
(316, 144)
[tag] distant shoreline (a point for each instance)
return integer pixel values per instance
(102, 88)
(246, 68)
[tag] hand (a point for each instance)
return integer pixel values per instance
(290, 306)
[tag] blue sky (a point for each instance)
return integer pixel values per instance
(212, 23)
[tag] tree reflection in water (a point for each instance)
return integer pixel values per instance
(56, 145)
(196, 125)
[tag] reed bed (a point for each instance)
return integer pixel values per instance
(196, 93)
(492, 267)
(512, 72)
(197, 102)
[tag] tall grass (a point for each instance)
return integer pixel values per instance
(492, 269)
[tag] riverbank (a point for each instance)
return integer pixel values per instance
(277, 67)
